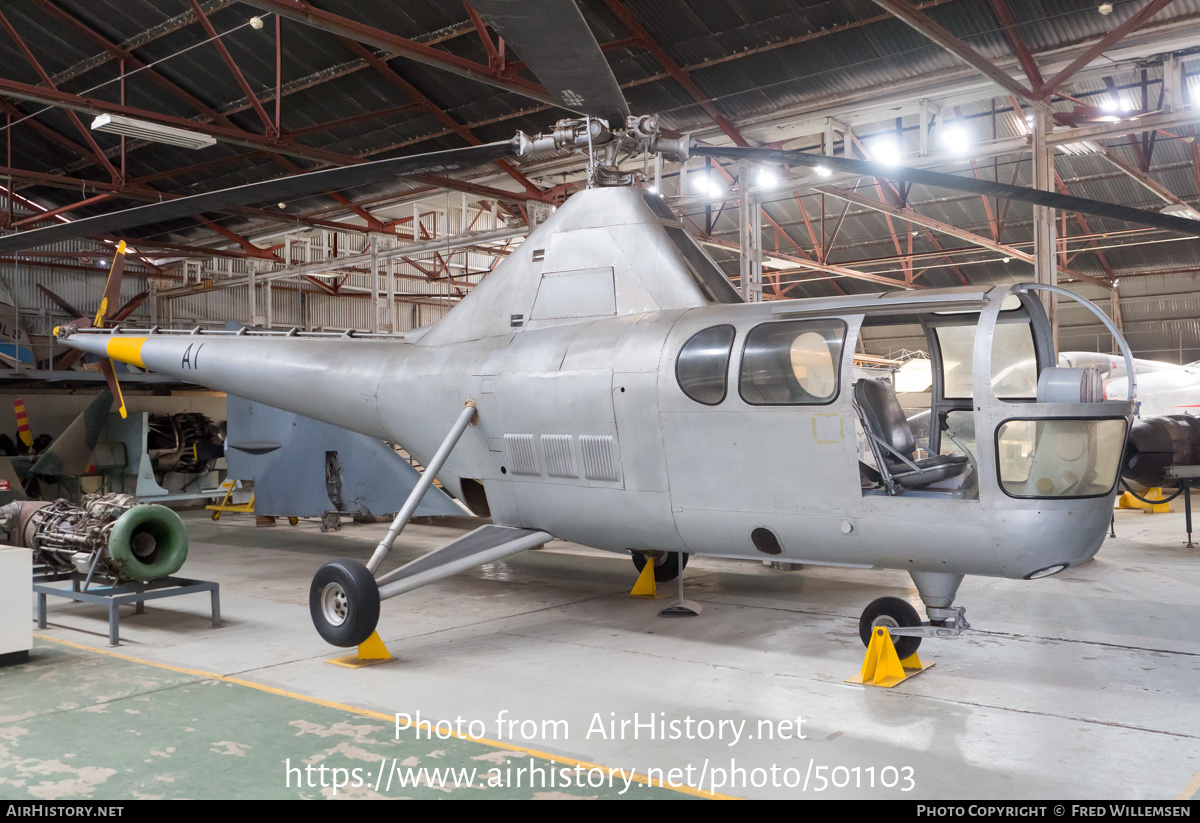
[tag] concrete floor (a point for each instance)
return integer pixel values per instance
(1080, 686)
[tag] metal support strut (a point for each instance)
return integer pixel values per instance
(465, 419)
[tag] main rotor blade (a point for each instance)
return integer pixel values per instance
(1064, 202)
(280, 189)
(554, 40)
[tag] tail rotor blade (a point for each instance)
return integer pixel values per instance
(112, 288)
(110, 375)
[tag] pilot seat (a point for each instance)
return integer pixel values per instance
(892, 440)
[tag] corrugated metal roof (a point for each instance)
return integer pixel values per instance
(853, 56)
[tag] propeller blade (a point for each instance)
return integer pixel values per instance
(970, 185)
(554, 40)
(112, 288)
(130, 306)
(58, 301)
(279, 190)
(110, 375)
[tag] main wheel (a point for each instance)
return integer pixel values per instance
(893, 613)
(344, 602)
(666, 565)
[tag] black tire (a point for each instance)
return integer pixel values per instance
(666, 565)
(344, 602)
(891, 612)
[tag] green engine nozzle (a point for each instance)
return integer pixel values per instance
(148, 542)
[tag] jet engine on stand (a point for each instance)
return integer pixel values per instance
(113, 536)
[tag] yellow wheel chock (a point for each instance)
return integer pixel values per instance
(1128, 501)
(370, 652)
(645, 586)
(882, 666)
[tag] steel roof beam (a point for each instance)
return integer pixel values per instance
(925, 25)
(231, 64)
(418, 97)
(41, 72)
(1012, 31)
(51, 213)
(119, 53)
(88, 105)
(1083, 224)
(140, 39)
(1103, 44)
(812, 265)
(340, 26)
(945, 228)
(46, 131)
(1144, 178)
(637, 30)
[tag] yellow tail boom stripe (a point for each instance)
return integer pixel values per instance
(126, 350)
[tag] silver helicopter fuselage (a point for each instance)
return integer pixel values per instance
(569, 350)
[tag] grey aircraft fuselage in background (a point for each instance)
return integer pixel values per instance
(571, 351)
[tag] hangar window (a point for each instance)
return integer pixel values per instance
(792, 362)
(703, 362)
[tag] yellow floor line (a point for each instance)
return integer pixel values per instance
(329, 704)
(1190, 789)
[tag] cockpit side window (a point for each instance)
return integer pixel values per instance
(703, 363)
(796, 362)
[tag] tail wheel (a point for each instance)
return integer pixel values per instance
(293, 520)
(893, 613)
(344, 602)
(666, 564)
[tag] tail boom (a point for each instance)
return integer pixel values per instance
(332, 378)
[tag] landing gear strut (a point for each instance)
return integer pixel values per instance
(937, 592)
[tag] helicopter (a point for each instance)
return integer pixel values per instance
(607, 384)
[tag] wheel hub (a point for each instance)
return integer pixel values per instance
(887, 621)
(334, 604)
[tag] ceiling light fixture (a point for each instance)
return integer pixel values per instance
(886, 151)
(955, 139)
(1181, 210)
(767, 178)
(155, 133)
